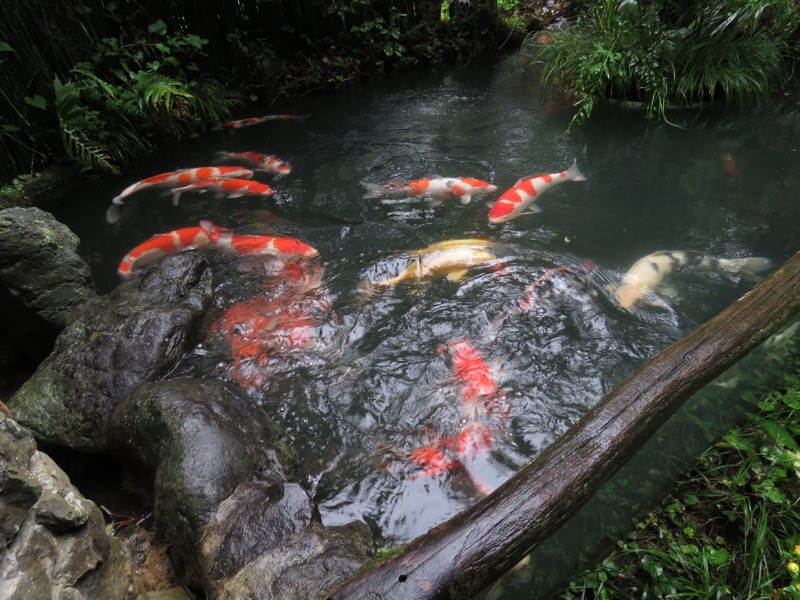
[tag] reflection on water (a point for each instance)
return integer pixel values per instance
(376, 407)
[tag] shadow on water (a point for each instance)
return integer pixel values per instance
(372, 387)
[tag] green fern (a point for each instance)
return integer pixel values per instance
(158, 91)
(90, 155)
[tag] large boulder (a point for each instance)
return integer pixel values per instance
(54, 542)
(221, 492)
(42, 282)
(132, 336)
(202, 438)
(40, 266)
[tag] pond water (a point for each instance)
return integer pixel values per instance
(374, 385)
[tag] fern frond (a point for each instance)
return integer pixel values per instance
(157, 91)
(90, 155)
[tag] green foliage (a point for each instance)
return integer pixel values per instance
(730, 529)
(127, 97)
(635, 52)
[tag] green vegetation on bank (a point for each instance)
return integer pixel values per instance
(730, 529)
(671, 53)
(105, 81)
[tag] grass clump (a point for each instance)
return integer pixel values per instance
(731, 529)
(671, 53)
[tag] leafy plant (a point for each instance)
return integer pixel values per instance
(631, 51)
(731, 528)
(128, 97)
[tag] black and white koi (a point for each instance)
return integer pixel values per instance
(644, 277)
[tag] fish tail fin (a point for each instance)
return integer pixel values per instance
(113, 213)
(221, 156)
(749, 268)
(574, 173)
(373, 191)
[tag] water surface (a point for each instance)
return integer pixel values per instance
(361, 381)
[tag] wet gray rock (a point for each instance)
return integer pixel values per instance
(39, 264)
(310, 564)
(221, 492)
(55, 542)
(132, 336)
(203, 438)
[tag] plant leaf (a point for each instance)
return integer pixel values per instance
(158, 27)
(37, 101)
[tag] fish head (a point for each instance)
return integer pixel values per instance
(273, 164)
(294, 246)
(629, 294)
(502, 211)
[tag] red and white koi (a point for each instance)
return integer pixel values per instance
(526, 192)
(470, 371)
(455, 453)
(162, 245)
(259, 162)
(265, 245)
(441, 188)
(181, 177)
(232, 188)
(250, 121)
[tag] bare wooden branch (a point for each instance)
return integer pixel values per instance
(462, 556)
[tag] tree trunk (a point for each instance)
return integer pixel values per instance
(462, 556)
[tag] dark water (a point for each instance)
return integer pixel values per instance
(361, 380)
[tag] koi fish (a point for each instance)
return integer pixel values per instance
(162, 245)
(258, 328)
(173, 178)
(259, 162)
(232, 188)
(263, 245)
(643, 278)
(454, 453)
(526, 192)
(470, 371)
(451, 259)
(250, 121)
(449, 188)
(729, 164)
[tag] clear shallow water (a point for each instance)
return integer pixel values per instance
(360, 381)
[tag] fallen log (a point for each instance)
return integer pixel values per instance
(462, 556)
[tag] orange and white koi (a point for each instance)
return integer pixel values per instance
(181, 177)
(232, 188)
(526, 192)
(259, 162)
(250, 121)
(441, 188)
(162, 245)
(265, 245)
